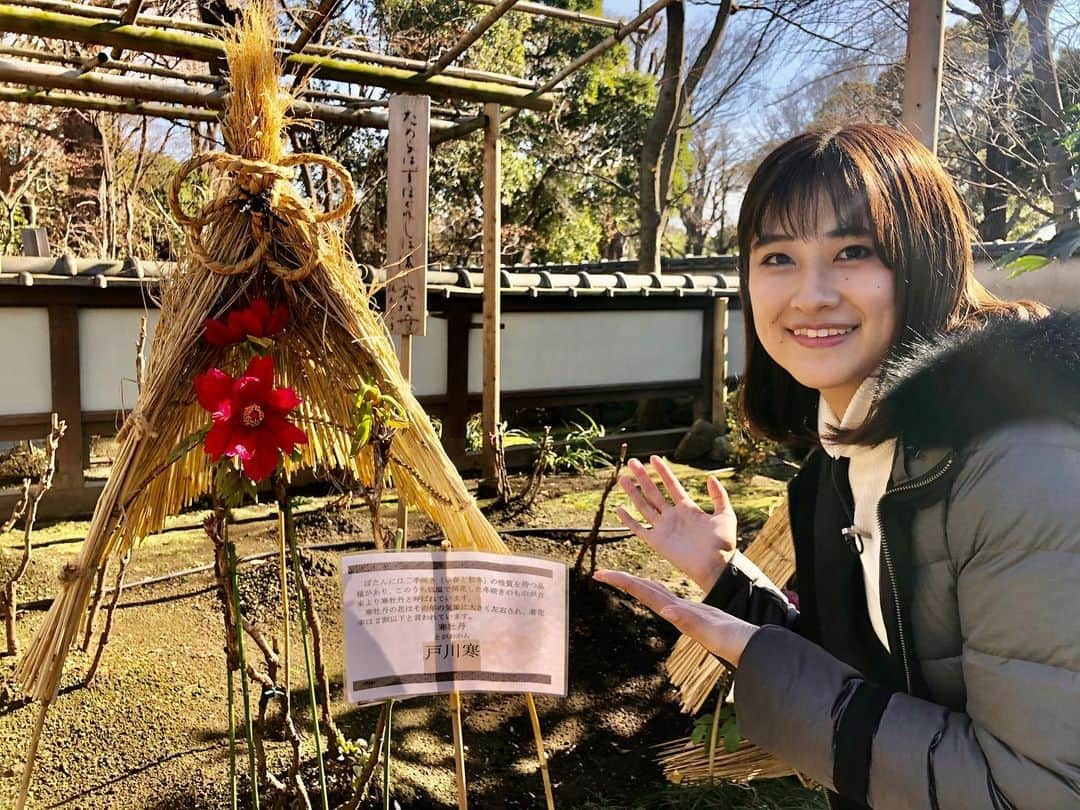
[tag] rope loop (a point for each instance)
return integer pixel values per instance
(262, 191)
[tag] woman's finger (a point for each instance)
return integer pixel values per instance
(720, 501)
(672, 484)
(629, 522)
(649, 489)
(643, 506)
(651, 594)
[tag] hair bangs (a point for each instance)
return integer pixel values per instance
(791, 201)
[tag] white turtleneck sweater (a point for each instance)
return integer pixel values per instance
(869, 471)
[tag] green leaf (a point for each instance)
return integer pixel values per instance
(365, 416)
(233, 487)
(702, 728)
(1025, 264)
(732, 738)
(187, 444)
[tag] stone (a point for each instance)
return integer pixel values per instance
(698, 442)
(722, 449)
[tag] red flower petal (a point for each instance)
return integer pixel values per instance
(217, 440)
(246, 322)
(277, 321)
(284, 434)
(217, 333)
(283, 399)
(261, 464)
(212, 388)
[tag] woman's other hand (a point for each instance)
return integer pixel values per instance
(718, 632)
(696, 542)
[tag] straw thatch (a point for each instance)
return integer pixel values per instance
(695, 671)
(684, 760)
(257, 238)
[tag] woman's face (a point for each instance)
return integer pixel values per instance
(824, 307)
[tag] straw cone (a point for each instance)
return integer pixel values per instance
(335, 342)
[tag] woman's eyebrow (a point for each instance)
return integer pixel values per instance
(849, 230)
(769, 238)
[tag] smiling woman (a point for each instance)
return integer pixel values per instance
(932, 661)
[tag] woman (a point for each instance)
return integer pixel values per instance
(935, 658)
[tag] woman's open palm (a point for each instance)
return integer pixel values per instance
(696, 542)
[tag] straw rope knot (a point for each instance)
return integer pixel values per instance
(263, 193)
(138, 425)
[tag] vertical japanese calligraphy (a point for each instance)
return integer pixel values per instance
(408, 153)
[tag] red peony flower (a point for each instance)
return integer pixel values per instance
(250, 417)
(256, 320)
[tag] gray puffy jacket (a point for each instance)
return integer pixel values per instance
(980, 590)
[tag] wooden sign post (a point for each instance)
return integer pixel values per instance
(408, 160)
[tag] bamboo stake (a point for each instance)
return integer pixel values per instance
(18, 20)
(31, 755)
(541, 755)
(286, 630)
(459, 750)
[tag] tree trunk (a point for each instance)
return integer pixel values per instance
(660, 149)
(662, 126)
(1048, 90)
(993, 225)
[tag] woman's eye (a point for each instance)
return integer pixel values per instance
(776, 259)
(855, 252)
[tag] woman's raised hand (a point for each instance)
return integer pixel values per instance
(698, 543)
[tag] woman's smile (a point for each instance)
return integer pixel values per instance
(821, 336)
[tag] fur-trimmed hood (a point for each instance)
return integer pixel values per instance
(948, 391)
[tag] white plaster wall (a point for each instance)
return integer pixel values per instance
(575, 349)
(1057, 285)
(428, 359)
(24, 360)
(107, 356)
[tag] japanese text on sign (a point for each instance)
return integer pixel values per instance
(420, 623)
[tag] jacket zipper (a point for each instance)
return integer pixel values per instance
(926, 480)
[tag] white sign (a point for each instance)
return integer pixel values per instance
(428, 622)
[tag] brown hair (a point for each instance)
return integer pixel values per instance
(886, 181)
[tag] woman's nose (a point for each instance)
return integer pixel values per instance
(815, 290)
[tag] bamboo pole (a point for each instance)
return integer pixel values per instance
(469, 38)
(129, 15)
(109, 64)
(102, 13)
(74, 102)
(18, 72)
(191, 26)
(540, 10)
(597, 50)
(492, 199)
(922, 74)
(20, 20)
